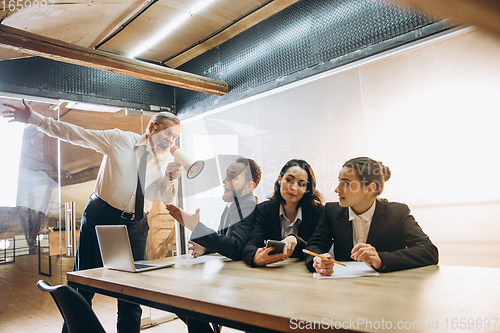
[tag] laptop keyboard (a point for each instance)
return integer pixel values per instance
(141, 266)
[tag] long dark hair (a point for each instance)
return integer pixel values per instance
(370, 171)
(312, 197)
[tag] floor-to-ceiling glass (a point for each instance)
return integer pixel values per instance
(46, 184)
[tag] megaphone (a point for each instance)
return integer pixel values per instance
(192, 167)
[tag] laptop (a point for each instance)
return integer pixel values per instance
(116, 252)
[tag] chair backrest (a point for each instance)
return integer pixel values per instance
(77, 313)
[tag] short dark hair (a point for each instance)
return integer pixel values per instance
(254, 174)
(312, 197)
(370, 171)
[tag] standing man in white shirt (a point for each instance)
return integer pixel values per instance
(117, 197)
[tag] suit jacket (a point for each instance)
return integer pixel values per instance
(233, 231)
(267, 226)
(397, 237)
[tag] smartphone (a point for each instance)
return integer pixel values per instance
(278, 246)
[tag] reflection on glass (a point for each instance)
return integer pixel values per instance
(4, 244)
(11, 133)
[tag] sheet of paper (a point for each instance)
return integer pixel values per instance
(199, 260)
(351, 269)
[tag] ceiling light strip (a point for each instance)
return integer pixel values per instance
(169, 27)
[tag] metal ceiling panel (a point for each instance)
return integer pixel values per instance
(53, 79)
(309, 34)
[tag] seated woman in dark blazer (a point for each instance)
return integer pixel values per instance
(290, 215)
(363, 227)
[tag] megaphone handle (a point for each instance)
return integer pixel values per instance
(168, 174)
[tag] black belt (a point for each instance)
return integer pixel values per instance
(107, 206)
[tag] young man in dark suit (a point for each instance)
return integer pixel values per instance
(236, 222)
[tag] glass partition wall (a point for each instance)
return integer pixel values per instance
(30, 207)
(429, 111)
(46, 184)
(50, 185)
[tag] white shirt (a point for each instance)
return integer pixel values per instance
(289, 227)
(361, 224)
(116, 182)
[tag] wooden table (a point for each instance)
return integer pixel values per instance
(286, 298)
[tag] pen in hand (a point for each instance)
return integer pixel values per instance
(318, 255)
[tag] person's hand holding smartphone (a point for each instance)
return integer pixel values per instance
(290, 244)
(278, 246)
(273, 252)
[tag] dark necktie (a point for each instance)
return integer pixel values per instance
(223, 221)
(139, 195)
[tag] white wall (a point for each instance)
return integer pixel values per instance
(430, 113)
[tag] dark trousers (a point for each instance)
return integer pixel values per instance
(88, 256)
(196, 326)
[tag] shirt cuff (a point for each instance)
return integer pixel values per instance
(200, 231)
(167, 190)
(36, 119)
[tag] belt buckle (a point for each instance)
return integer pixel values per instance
(125, 216)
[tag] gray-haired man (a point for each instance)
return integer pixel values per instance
(117, 197)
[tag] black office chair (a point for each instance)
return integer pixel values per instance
(77, 313)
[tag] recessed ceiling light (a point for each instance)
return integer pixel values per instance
(92, 107)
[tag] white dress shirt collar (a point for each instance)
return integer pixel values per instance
(361, 224)
(289, 227)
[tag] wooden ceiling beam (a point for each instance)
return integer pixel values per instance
(54, 49)
(481, 13)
